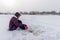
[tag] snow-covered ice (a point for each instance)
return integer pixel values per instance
(48, 23)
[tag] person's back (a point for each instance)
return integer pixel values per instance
(12, 25)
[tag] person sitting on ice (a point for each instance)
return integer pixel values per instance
(16, 23)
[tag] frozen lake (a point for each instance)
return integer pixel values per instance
(48, 23)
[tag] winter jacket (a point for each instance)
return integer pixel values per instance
(14, 23)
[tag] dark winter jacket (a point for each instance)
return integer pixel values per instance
(14, 23)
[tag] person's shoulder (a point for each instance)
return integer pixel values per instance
(13, 18)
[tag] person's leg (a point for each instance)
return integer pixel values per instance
(23, 27)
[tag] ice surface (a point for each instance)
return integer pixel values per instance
(48, 23)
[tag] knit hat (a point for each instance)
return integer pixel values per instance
(17, 14)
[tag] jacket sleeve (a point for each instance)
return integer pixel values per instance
(20, 21)
(15, 21)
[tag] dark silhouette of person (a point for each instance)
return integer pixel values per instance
(15, 23)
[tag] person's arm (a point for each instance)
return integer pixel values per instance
(15, 21)
(20, 21)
